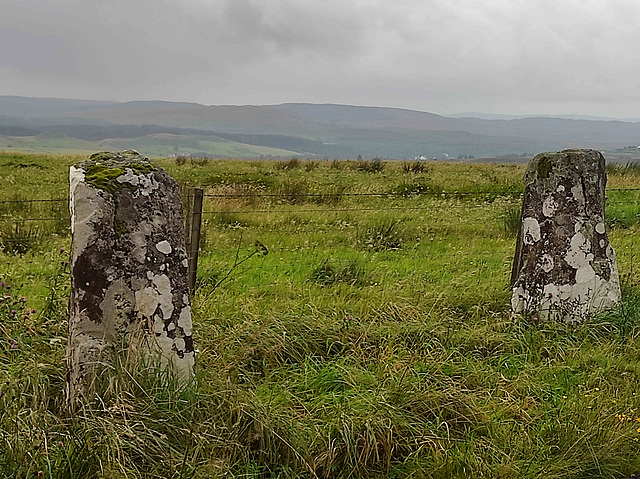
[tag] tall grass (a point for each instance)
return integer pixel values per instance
(25, 224)
(372, 340)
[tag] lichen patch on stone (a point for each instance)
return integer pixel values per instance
(164, 247)
(531, 230)
(184, 321)
(549, 207)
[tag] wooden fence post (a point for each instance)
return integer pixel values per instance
(187, 195)
(194, 222)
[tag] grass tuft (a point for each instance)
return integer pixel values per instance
(511, 219)
(415, 167)
(375, 165)
(20, 237)
(384, 235)
(329, 272)
(291, 164)
(293, 191)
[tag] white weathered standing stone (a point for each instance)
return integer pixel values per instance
(564, 266)
(129, 289)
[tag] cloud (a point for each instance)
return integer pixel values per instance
(438, 55)
(287, 26)
(35, 53)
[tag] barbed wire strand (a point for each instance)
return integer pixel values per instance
(434, 195)
(309, 195)
(335, 195)
(14, 220)
(283, 211)
(35, 201)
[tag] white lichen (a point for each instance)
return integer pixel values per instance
(531, 230)
(86, 209)
(76, 176)
(578, 194)
(184, 321)
(157, 295)
(164, 247)
(549, 206)
(139, 240)
(162, 284)
(179, 344)
(144, 183)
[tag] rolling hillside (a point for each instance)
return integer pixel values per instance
(297, 129)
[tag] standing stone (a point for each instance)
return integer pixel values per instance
(129, 291)
(564, 266)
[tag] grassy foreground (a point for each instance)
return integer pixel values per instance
(373, 339)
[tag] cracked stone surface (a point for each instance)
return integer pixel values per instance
(564, 267)
(129, 289)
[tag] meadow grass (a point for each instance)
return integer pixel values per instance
(370, 337)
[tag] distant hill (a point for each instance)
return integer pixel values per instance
(497, 116)
(332, 131)
(23, 107)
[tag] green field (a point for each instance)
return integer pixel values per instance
(158, 144)
(373, 340)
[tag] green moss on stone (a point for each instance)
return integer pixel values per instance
(104, 177)
(545, 165)
(142, 168)
(103, 168)
(102, 156)
(119, 228)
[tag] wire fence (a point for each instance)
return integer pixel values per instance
(480, 195)
(13, 219)
(54, 200)
(314, 195)
(318, 195)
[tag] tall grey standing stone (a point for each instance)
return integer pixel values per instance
(564, 267)
(129, 291)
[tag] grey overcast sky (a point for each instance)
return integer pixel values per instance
(442, 56)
